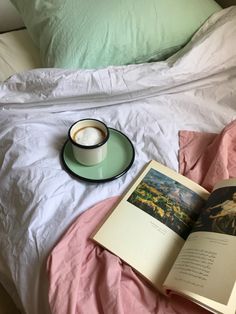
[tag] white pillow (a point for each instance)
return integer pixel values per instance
(17, 53)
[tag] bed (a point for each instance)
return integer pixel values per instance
(190, 85)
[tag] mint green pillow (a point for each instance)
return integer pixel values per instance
(97, 33)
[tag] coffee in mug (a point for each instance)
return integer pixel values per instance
(88, 136)
(89, 141)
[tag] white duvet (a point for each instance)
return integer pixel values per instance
(194, 90)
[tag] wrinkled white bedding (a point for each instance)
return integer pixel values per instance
(195, 90)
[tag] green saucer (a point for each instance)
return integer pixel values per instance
(120, 157)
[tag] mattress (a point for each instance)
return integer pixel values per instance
(195, 89)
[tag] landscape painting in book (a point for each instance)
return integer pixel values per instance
(168, 201)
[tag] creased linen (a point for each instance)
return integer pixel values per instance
(85, 278)
(207, 158)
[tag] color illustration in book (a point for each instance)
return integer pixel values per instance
(167, 200)
(220, 214)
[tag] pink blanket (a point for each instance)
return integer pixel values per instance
(86, 279)
(207, 158)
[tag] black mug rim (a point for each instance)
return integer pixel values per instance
(89, 146)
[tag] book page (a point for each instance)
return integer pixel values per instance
(205, 266)
(150, 224)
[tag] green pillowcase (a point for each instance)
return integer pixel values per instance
(97, 33)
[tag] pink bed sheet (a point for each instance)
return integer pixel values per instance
(87, 279)
(207, 158)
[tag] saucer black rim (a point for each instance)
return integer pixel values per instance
(82, 178)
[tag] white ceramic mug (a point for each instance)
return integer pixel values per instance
(89, 141)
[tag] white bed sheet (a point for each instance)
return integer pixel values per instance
(195, 90)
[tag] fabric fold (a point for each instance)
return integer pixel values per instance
(85, 278)
(207, 158)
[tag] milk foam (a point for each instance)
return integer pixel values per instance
(89, 136)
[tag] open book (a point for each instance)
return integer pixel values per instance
(178, 236)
